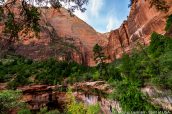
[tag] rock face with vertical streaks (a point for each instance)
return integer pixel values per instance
(65, 28)
(141, 22)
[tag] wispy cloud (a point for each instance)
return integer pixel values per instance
(95, 7)
(103, 15)
(112, 23)
(81, 15)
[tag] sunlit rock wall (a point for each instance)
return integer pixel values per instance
(141, 22)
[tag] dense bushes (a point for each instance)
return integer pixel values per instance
(150, 66)
(10, 100)
(19, 71)
(127, 89)
(152, 63)
(16, 70)
(161, 52)
(130, 97)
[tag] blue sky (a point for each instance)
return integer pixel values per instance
(105, 15)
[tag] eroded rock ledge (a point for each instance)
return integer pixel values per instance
(38, 96)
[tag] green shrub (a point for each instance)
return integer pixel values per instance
(96, 76)
(24, 111)
(168, 23)
(130, 97)
(10, 100)
(161, 50)
(93, 109)
(19, 81)
(74, 107)
(159, 44)
(51, 70)
(164, 79)
(19, 70)
(45, 111)
(151, 65)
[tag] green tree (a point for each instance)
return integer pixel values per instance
(99, 58)
(9, 100)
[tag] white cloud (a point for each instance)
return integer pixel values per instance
(93, 10)
(95, 7)
(101, 21)
(81, 15)
(112, 23)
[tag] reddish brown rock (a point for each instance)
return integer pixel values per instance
(159, 97)
(66, 26)
(39, 96)
(96, 85)
(3, 86)
(141, 22)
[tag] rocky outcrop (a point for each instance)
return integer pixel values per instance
(54, 97)
(158, 97)
(39, 96)
(89, 93)
(3, 86)
(97, 85)
(141, 22)
(107, 106)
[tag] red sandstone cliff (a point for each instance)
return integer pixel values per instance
(65, 28)
(141, 22)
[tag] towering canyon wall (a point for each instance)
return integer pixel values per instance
(66, 26)
(141, 22)
(58, 30)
